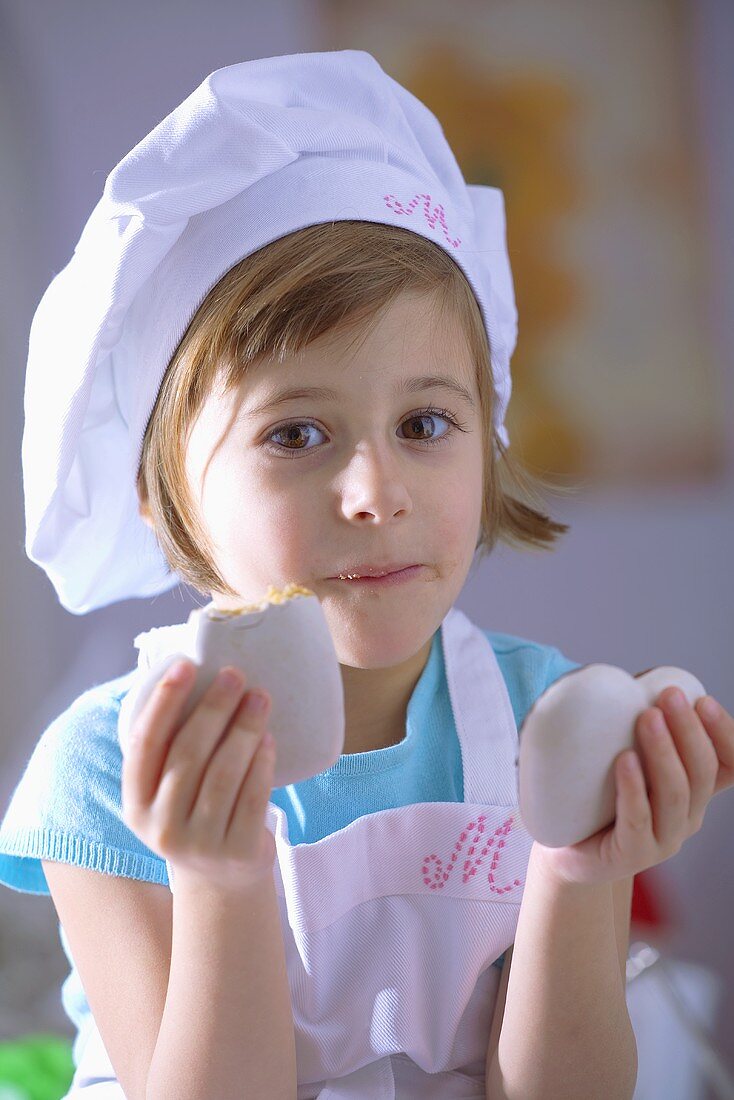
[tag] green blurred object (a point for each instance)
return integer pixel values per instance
(36, 1067)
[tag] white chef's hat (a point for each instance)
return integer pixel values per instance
(257, 151)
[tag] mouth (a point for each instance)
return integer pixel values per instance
(368, 570)
(380, 578)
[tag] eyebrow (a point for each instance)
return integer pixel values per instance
(324, 393)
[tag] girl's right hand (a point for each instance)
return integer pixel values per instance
(197, 793)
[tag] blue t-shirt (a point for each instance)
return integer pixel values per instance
(67, 804)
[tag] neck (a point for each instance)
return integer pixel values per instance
(376, 702)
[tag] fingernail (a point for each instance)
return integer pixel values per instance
(178, 672)
(677, 699)
(709, 708)
(229, 678)
(256, 702)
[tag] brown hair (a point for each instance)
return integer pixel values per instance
(272, 304)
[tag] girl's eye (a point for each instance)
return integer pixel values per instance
(292, 431)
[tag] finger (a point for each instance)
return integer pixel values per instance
(633, 823)
(720, 728)
(252, 798)
(214, 801)
(151, 735)
(695, 749)
(196, 741)
(670, 792)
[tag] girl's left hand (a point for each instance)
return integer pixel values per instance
(661, 800)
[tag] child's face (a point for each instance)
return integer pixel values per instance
(356, 485)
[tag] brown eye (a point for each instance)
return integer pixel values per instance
(416, 424)
(432, 414)
(293, 433)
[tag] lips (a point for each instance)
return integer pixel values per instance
(372, 570)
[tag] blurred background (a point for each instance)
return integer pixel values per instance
(608, 128)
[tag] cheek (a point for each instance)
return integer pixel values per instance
(457, 506)
(285, 533)
(453, 534)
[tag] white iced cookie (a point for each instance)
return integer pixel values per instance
(283, 644)
(569, 740)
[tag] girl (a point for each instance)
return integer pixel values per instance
(280, 353)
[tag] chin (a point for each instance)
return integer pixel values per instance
(367, 642)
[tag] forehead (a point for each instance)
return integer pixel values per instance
(400, 346)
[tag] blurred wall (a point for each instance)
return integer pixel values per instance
(643, 577)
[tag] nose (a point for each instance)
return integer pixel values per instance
(374, 486)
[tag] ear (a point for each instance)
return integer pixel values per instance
(144, 513)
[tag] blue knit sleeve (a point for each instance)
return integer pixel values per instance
(558, 665)
(67, 804)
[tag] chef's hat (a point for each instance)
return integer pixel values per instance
(257, 151)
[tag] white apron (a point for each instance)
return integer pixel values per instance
(391, 924)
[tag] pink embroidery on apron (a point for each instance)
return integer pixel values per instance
(431, 216)
(440, 876)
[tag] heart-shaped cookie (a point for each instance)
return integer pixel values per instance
(569, 740)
